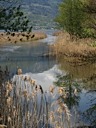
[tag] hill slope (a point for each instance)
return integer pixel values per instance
(41, 12)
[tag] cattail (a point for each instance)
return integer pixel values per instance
(75, 92)
(19, 72)
(9, 119)
(51, 89)
(25, 93)
(61, 91)
(66, 110)
(59, 110)
(28, 115)
(27, 78)
(9, 86)
(7, 93)
(3, 126)
(9, 101)
(22, 77)
(32, 82)
(33, 95)
(14, 111)
(65, 96)
(51, 116)
(57, 124)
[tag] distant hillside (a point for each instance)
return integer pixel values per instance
(41, 12)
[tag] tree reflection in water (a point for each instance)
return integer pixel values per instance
(72, 89)
(72, 100)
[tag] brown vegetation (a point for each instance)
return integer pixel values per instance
(26, 104)
(21, 37)
(57, 33)
(82, 48)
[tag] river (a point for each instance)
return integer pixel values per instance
(29, 57)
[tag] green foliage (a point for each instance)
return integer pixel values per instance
(70, 16)
(13, 19)
(74, 17)
(88, 32)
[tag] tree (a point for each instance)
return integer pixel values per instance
(74, 17)
(90, 9)
(12, 17)
(71, 16)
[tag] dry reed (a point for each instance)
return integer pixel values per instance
(24, 104)
(80, 48)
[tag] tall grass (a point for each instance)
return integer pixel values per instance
(80, 48)
(24, 104)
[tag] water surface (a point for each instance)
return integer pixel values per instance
(29, 57)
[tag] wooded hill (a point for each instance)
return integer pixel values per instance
(41, 12)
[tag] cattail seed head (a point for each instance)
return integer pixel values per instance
(9, 119)
(52, 118)
(9, 87)
(3, 126)
(32, 82)
(75, 92)
(59, 110)
(9, 101)
(51, 88)
(19, 71)
(7, 93)
(25, 93)
(61, 91)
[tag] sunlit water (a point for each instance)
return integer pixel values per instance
(29, 57)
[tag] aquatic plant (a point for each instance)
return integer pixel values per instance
(24, 104)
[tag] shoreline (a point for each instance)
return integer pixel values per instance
(78, 49)
(18, 37)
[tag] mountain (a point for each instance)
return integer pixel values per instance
(41, 12)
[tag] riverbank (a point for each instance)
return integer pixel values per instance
(74, 49)
(17, 37)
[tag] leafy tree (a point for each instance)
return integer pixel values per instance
(74, 17)
(12, 17)
(90, 9)
(71, 16)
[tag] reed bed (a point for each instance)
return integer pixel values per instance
(68, 46)
(24, 104)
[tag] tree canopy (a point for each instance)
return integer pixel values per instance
(12, 17)
(78, 17)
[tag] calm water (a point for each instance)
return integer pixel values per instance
(45, 70)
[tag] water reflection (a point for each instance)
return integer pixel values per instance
(84, 73)
(72, 89)
(28, 56)
(85, 102)
(88, 108)
(90, 115)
